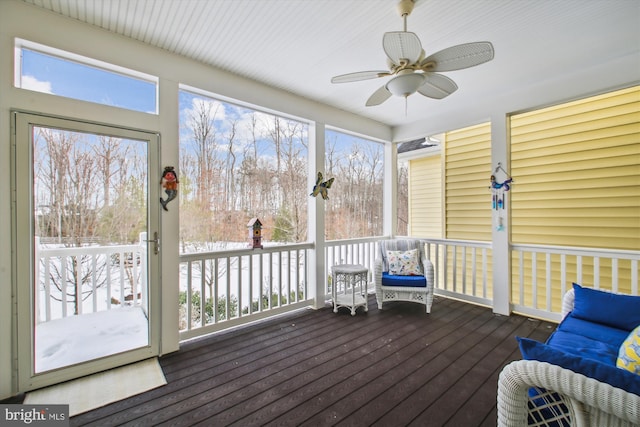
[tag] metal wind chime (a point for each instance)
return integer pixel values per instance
(499, 194)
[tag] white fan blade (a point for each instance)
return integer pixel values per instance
(437, 86)
(378, 97)
(402, 46)
(459, 57)
(360, 75)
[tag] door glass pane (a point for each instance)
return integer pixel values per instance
(90, 296)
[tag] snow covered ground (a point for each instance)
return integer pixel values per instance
(107, 328)
(75, 339)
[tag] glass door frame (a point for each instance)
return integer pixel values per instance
(22, 241)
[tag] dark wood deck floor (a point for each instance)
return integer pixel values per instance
(395, 367)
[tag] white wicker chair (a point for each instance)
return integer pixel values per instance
(422, 295)
(587, 401)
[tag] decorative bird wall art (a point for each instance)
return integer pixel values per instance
(322, 187)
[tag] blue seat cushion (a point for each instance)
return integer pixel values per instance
(407, 281)
(587, 339)
(620, 378)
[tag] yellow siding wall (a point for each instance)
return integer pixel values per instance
(468, 201)
(425, 197)
(467, 169)
(576, 170)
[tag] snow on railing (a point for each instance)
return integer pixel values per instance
(226, 288)
(89, 279)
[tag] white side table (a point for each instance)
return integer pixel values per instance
(349, 287)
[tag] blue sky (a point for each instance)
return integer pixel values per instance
(51, 74)
(69, 79)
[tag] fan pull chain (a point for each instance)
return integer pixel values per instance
(406, 104)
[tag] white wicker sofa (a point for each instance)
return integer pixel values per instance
(565, 397)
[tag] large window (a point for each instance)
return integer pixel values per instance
(53, 71)
(354, 207)
(236, 164)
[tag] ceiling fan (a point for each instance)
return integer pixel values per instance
(413, 72)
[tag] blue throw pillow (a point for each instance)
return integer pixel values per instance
(620, 378)
(619, 311)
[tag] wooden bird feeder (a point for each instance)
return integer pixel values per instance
(255, 233)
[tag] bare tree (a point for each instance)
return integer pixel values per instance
(111, 162)
(204, 139)
(355, 208)
(86, 192)
(292, 178)
(206, 183)
(230, 187)
(66, 167)
(52, 165)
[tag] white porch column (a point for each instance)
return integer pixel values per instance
(316, 265)
(501, 237)
(390, 190)
(169, 221)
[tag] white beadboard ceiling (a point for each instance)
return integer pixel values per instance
(298, 45)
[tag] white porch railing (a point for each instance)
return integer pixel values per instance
(248, 285)
(542, 274)
(222, 289)
(361, 251)
(77, 280)
(462, 269)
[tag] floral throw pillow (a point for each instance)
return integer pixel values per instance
(404, 263)
(629, 354)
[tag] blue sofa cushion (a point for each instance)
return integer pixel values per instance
(407, 281)
(587, 339)
(620, 378)
(618, 311)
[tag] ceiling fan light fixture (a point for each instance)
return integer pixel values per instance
(405, 85)
(405, 7)
(413, 72)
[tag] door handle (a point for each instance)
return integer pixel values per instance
(156, 243)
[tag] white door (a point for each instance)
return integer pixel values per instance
(86, 247)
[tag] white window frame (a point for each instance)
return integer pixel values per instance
(21, 44)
